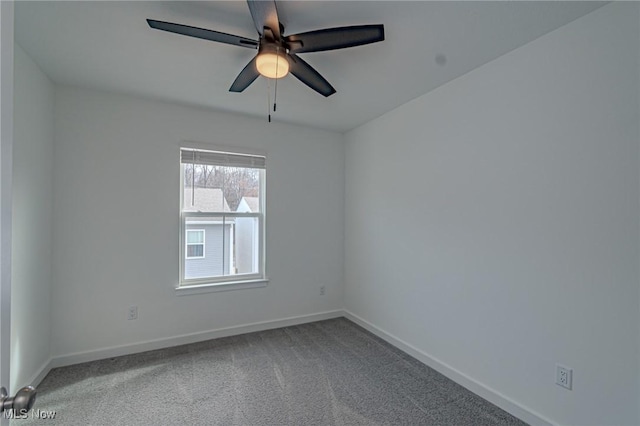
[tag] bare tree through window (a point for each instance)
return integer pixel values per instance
(235, 182)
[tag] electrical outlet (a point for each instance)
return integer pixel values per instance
(564, 376)
(133, 312)
(322, 290)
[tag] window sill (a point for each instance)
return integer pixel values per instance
(225, 286)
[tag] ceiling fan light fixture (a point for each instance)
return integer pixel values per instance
(277, 53)
(272, 64)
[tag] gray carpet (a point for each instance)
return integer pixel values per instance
(324, 373)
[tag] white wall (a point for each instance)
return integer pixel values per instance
(116, 184)
(493, 225)
(31, 231)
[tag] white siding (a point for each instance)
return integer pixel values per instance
(247, 245)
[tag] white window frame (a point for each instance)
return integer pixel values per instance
(187, 244)
(224, 282)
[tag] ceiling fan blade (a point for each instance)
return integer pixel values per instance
(335, 38)
(203, 34)
(309, 76)
(265, 14)
(246, 77)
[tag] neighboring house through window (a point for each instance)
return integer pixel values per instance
(222, 217)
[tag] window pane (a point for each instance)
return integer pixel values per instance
(195, 250)
(195, 237)
(209, 188)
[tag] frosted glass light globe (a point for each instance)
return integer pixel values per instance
(272, 65)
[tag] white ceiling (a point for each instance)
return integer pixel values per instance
(108, 46)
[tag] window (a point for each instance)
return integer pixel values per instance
(222, 204)
(195, 243)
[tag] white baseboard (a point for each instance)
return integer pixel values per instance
(41, 373)
(518, 410)
(149, 345)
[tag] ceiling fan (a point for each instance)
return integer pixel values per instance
(277, 53)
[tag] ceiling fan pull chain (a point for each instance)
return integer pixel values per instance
(275, 91)
(269, 99)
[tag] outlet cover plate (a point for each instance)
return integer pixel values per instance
(564, 376)
(133, 313)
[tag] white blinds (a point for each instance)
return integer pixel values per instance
(218, 158)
